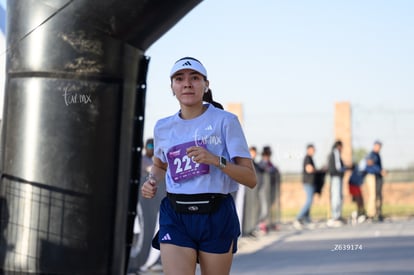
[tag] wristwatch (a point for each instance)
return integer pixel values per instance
(223, 162)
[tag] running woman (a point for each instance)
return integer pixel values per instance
(202, 155)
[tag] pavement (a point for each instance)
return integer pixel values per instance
(382, 248)
(367, 248)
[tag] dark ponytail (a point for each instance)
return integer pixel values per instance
(208, 97)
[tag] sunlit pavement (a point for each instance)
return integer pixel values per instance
(367, 248)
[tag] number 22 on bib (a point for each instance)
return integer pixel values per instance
(181, 166)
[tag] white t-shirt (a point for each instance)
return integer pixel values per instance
(218, 131)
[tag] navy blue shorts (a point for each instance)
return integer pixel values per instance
(213, 233)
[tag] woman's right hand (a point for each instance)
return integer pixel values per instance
(149, 188)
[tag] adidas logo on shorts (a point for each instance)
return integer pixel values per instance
(166, 237)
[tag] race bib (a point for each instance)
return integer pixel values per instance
(181, 166)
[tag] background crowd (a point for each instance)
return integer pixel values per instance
(367, 171)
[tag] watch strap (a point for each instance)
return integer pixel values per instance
(222, 162)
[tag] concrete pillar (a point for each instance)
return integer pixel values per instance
(343, 129)
(343, 132)
(237, 109)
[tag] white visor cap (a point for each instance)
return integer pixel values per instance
(188, 63)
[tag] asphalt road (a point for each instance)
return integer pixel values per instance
(366, 248)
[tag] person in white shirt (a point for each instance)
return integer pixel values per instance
(336, 171)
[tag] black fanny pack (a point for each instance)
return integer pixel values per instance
(197, 203)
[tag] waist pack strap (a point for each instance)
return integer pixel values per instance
(196, 203)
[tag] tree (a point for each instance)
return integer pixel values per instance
(358, 154)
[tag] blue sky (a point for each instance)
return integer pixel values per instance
(3, 7)
(2, 50)
(288, 62)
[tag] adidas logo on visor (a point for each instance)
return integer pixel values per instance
(188, 63)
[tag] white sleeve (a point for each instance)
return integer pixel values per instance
(337, 160)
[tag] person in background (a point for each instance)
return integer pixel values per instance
(308, 177)
(202, 154)
(375, 181)
(266, 162)
(146, 159)
(253, 154)
(336, 171)
(262, 193)
(354, 182)
(271, 199)
(153, 259)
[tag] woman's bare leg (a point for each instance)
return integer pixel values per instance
(177, 260)
(216, 264)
